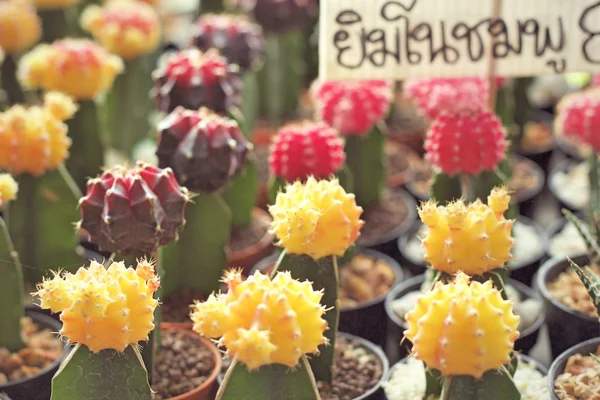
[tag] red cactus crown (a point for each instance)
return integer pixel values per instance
(579, 117)
(193, 67)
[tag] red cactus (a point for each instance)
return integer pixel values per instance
(193, 79)
(450, 95)
(596, 80)
(466, 143)
(240, 41)
(133, 211)
(278, 16)
(309, 148)
(579, 117)
(204, 149)
(352, 107)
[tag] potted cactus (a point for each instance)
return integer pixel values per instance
(29, 352)
(20, 28)
(34, 147)
(357, 110)
(84, 70)
(135, 40)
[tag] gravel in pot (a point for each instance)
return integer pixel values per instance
(562, 239)
(568, 182)
(528, 250)
(575, 374)
(364, 285)
(538, 142)
(403, 297)
(569, 316)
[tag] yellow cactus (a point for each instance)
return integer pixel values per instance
(54, 4)
(474, 239)
(8, 189)
(78, 67)
(153, 3)
(262, 321)
(126, 28)
(317, 218)
(462, 328)
(34, 140)
(103, 308)
(20, 27)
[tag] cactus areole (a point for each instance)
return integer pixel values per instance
(133, 211)
(194, 79)
(206, 151)
(301, 150)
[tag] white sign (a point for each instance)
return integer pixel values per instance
(397, 39)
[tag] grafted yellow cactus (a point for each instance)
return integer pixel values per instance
(262, 321)
(126, 28)
(317, 218)
(8, 189)
(20, 26)
(462, 328)
(54, 4)
(474, 238)
(34, 140)
(78, 67)
(103, 308)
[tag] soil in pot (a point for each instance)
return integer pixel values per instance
(580, 379)
(406, 124)
(570, 291)
(570, 185)
(44, 347)
(538, 141)
(400, 160)
(261, 154)
(183, 364)
(250, 244)
(407, 380)
(176, 306)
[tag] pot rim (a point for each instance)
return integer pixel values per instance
(403, 177)
(553, 371)
(562, 166)
(553, 230)
(542, 288)
(395, 265)
(418, 280)
(568, 150)
(234, 257)
(411, 216)
(48, 322)
(403, 242)
(212, 378)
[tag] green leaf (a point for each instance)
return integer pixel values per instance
(434, 382)
(366, 161)
(591, 283)
(197, 260)
(494, 385)
(323, 277)
(106, 375)
(445, 188)
(241, 195)
(271, 382)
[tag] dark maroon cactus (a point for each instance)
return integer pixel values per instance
(193, 79)
(133, 211)
(238, 39)
(205, 150)
(278, 16)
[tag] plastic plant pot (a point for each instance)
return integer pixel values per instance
(562, 167)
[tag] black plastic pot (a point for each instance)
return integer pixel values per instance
(386, 244)
(526, 341)
(562, 166)
(526, 200)
(376, 392)
(558, 366)
(569, 149)
(523, 272)
(38, 386)
(541, 156)
(367, 320)
(566, 327)
(527, 359)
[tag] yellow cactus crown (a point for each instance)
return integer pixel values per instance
(474, 238)
(126, 28)
(462, 328)
(54, 4)
(34, 140)
(8, 189)
(262, 321)
(78, 67)
(103, 308)
(20, 27)
(317, 218)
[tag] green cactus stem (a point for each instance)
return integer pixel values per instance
(271, 382)
(250, 103)
(446, 188)
(241, 195)
(494, 385)
(594, 181)
(365, 158)
(482, 184)
(55, 24)
(108, 374)
(523, 109)
(87, 150)
(11, 294)
(127, 106)
(198, 259)
(8, 81)
(41, 226)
